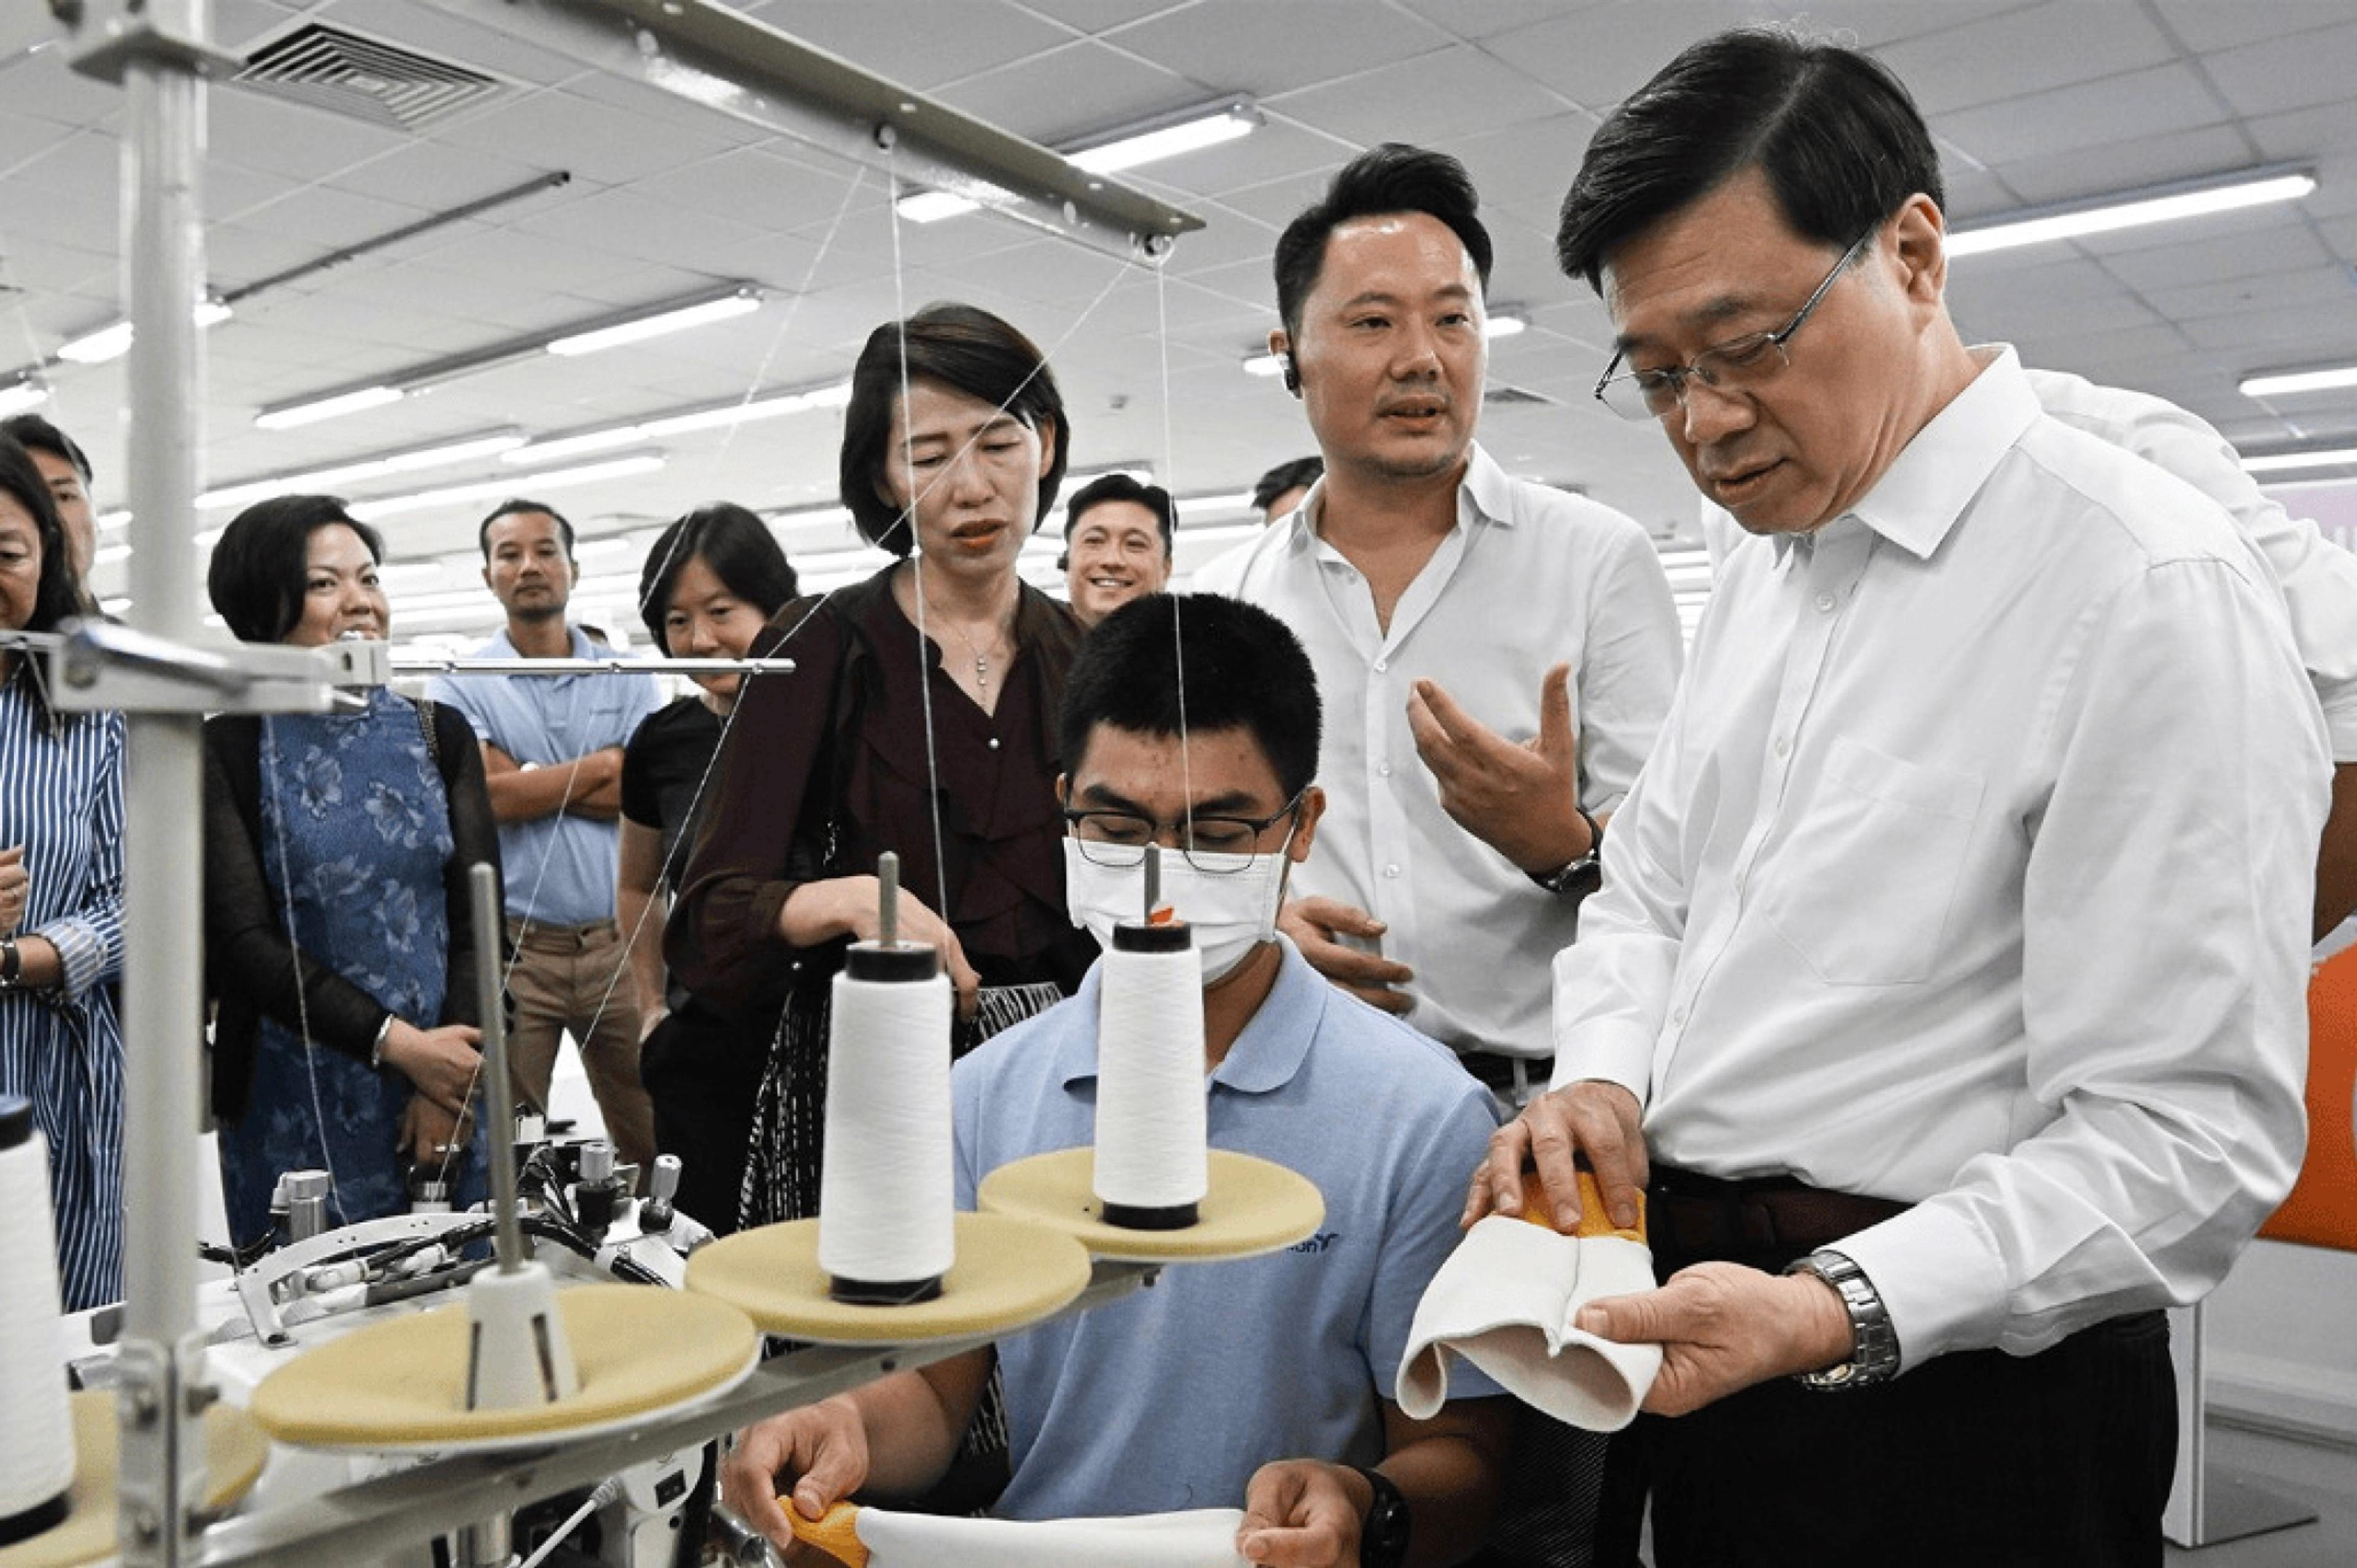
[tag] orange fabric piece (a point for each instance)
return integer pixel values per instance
(2322, 1208)
(1592, 1219)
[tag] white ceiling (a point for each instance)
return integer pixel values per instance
(2032, 102)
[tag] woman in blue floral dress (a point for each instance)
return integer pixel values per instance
(339, 937)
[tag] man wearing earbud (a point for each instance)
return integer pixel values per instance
(1497, 655)
(1263, 1383)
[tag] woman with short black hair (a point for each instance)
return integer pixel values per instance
(60, 900)
(337, 903)
(712, 581)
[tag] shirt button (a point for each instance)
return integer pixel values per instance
(1678, 1016)
(1383, 769)
(1824, 604)
(1391, 870)
(1783, 746)
(994, 742)
(1382, 665)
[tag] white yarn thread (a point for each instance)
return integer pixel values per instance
(885, 1190)
(36, 1445)
(1152, 1108)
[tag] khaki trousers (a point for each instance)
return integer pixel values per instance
(573, 980)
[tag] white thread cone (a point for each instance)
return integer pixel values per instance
(886, 1190)
(1152, 1108)
(36, 1446)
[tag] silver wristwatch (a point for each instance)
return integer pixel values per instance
(1876, 1357)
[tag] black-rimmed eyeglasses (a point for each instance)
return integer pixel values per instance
(1737, 365)
(1118, 839)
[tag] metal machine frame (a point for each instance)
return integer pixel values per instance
(166, 672)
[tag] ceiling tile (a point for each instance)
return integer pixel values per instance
(1101, 16)
(1079, 90)
(1454, 91)
(2288, 72)
(2069, 174)
(601, 145)
(922, 44)
(2213, 248)
(2020, 52)
(501, 51)
(1598, 55)
(2132, 106)
(1248, 46)
(1475, 19)
(294, 139)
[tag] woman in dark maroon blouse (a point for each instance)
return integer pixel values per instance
(884, 739)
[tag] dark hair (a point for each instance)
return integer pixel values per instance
(1300, 474)
(1834, 133)
(960, 347)
(735, 543)
(56, 599)
(1122, 487)
(38, 434)
(256, 577)
(1394, 178)
(518, 505)
(1244, 671)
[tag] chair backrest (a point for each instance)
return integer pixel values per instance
(2322, 1208)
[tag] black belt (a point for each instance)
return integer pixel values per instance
(1498, 1071)
(1766, 1221)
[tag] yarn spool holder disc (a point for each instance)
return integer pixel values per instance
(1250, 1206)
(1008, 1273)
(235, 1448)
(400, 1387)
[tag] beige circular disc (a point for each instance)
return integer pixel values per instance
(640, 1350)
(1252, 1206)
(1008, 1273)
(234, 1450)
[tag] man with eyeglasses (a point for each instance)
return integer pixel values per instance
(1265, 1383)
(1944, 1001)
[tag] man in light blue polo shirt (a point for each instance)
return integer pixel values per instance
(553, 759)
(1261, 1383)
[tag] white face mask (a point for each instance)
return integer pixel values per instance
(1229, 912)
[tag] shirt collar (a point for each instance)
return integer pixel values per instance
(1925, 490)
(1484, 495)
(1267, 1053)
(577, 644)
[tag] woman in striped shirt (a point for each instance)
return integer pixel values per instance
(61, 901)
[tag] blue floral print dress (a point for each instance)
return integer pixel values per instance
(355, 835)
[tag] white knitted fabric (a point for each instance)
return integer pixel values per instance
(1505, 1301)
(1205, 1537)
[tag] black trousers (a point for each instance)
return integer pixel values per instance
(1979, 1458)
(702, 1072)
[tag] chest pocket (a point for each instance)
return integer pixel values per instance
(1864, 883)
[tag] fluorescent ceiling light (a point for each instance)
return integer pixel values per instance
(657, 324)
(108, 521)
(741, 412)
(1505, 325)
(1166, 136)
(295, 414)
(2252, 189)
(108, 554)
(112, 342)
(932, 205)
(1196, 130)
(2278, 461)
(2282, 383)
(1211, 505)
(18, 396)
(559, 478)
(312, 482)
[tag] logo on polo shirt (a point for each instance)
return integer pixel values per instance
(1318, 1243)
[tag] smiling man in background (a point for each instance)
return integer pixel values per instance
(1118, 535)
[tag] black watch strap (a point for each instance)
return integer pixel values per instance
(1584, 874)
(11, 963)
(1382, 1534)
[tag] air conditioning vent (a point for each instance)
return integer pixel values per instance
(396, 88)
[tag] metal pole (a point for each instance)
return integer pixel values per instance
(498, 1092)
(163, 247)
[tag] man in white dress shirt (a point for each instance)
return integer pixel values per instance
(1953, 949)
(1496, 655)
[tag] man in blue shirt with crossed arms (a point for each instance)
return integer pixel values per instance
(1262, 1382)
